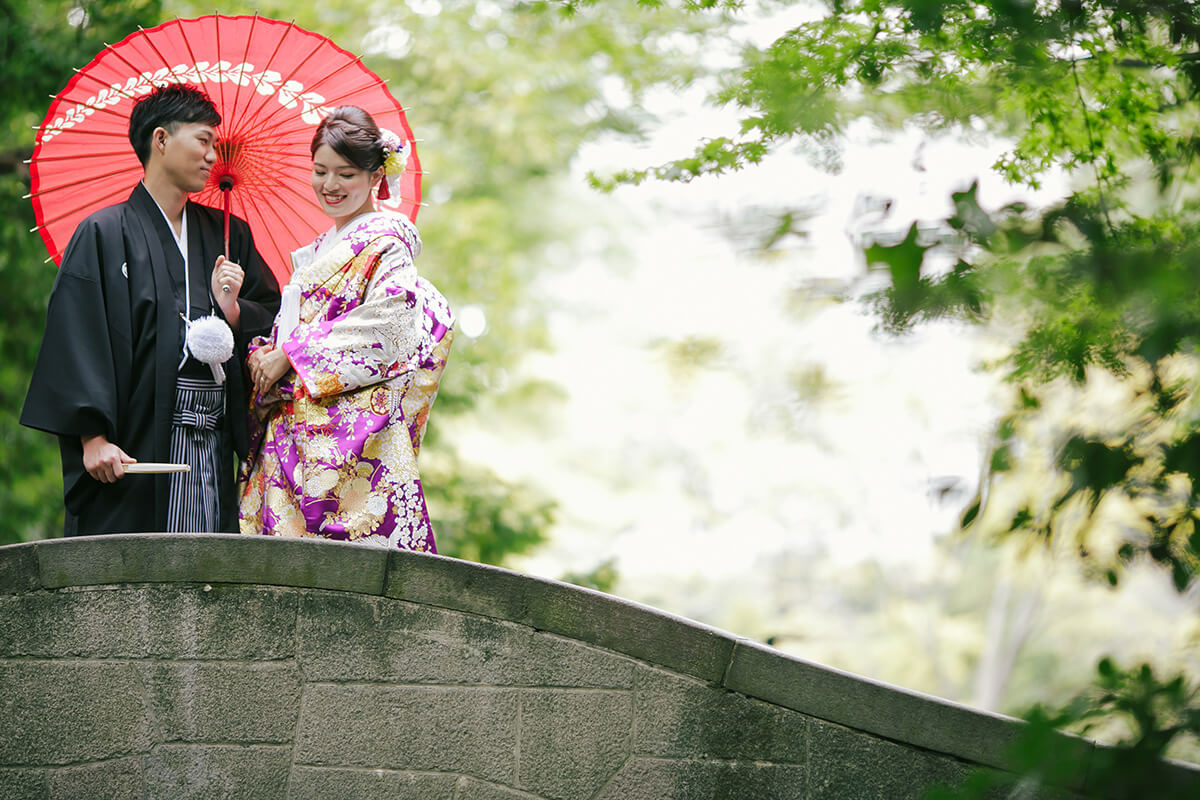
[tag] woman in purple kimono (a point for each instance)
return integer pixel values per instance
(344, 385)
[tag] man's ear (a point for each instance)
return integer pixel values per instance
(158, 139)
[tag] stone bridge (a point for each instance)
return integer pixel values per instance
(226, 666)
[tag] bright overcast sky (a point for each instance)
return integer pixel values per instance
(699, 476)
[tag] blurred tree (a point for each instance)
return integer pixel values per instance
(602, 577)
(40, 43)
(1154, 712)
(1099, 294)
(1107, 281)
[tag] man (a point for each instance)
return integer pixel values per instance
(114, 380)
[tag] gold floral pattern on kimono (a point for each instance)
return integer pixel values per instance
(335, 442)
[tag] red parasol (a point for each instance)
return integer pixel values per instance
(272, 83)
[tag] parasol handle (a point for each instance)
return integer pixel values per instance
(226, 186)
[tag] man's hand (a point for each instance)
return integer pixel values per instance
(227, 278)
(103, 460)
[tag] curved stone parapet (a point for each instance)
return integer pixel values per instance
(223, 666)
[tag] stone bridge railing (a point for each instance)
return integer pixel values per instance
(224, 666)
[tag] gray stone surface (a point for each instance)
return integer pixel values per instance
(459, 585)
(320, 783)
(220, 558)
(217, 772)
(472, 789)
(888, 711)
(645, 778)
(67, 712)
(572, 741)
(18, 569)
(200, 621)
(211, 702)
(118, 779)
(22, 782)
(847, 764)
(163, 666)
(570, 611)
(683, 717)
(471, 731)
(357, 637)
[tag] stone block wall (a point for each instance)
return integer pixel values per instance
(156, 666)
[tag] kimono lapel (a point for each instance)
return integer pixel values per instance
(317, 265)
(319, 275)
(327, 261)
(202, 254)
(145, 217)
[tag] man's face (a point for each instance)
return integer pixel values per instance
(188, 154)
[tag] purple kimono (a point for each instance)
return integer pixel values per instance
(335, 442)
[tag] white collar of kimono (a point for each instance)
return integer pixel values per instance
(335, 234)
(181, 239)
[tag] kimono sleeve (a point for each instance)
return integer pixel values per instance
(75, 384)
(373, 342)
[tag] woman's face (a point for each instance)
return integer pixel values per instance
(343, 190)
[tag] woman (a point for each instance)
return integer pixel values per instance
(344, 386)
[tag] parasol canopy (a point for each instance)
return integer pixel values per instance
(272, 83)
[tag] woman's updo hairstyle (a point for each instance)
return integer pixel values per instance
(352, 134)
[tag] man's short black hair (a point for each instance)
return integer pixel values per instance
(168, 107)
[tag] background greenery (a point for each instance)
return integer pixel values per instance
(1090, 488)
(1097, 460)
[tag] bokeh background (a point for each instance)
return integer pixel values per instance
(693, 393)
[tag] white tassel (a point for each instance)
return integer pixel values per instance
(210, 340)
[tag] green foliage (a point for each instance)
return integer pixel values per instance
(912, 296)
(1091, 296)
(1076, 83)
(1123, 302)
(30, 479)
(603, 577)
(480, 517)
(1098, 295)
(1150, 713)
(39, 49)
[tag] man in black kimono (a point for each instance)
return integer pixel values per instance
(113, 379)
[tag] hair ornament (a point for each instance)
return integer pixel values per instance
(395, 159)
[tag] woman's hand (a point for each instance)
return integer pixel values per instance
(227, 279)
(267, 366)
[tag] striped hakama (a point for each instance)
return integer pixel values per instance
(198, 440)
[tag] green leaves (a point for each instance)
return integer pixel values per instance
(1097, 298)
(1153, 712)
(1074, 84)
(478, 516)
(1095, 467)
(969, 218)
(712, 157)
(40, 48)
(913, 297)
(903, 260)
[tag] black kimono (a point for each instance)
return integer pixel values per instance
(112, 348)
